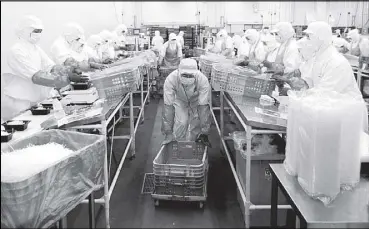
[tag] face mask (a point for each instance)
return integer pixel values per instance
(34, 38)
(76, 46)
(278, 38)
(79, 49)
(187, 81)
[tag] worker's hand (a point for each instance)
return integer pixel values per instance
(75, 75)
(98, 66)
(203, 138)
(108, 61)
(267, 64)
(168, 139)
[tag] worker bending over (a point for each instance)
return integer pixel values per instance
(186, 113)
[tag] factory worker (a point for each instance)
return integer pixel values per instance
(364, 62)
(186, 113)
(340, 43)
(93, 47)
(157, 41)
(355, 39)
(69, 45)
(119, 45)
(324, 67)
(237, 40)
(107, 47)
(244, 49)
(33, 74)
(224, 43)
(121, 30)
(180, 38)
(271, 47)
(171, 52)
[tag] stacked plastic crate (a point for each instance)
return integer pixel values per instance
(180, 173)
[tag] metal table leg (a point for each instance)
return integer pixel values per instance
(274, 200)
(91, 210)
(63, 222)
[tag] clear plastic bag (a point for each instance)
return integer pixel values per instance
(44, 198)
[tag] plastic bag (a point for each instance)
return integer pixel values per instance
(260, 143)
(44, 198)
(323, 141)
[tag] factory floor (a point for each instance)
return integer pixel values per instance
(131, 209)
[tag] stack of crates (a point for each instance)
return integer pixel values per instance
(180, 173)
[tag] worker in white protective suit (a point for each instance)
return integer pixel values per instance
(180, 38)
(119, 45)
(237, 40)
(93, 48)
(340, 43)
(186, 113)
(223, 44)
(324, 67)
(33, 74)
(157, 41)
(69, 45)
(121, 30)
(271, 47)
(355, 39)
(171, 52)
(244, 49)
(107, 47)
(364, 62)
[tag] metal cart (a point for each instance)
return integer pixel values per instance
(180, 173)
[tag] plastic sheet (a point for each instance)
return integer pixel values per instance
(44, 198)
(323, 142)
(260, 143)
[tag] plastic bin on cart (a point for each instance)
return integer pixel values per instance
(180, 172)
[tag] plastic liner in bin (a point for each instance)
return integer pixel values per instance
(260, 143)
(326, 152)
(44, 198)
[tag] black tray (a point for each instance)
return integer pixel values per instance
(47, 104)
(43, 111)
(80, 86)
(17, 127)
(7, 138)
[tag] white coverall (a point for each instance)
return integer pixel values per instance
(256, 50)
(107, 47)
(353, 46)
(180, 39)
(171, 52)
(271, 47)
(25, 59)
(244, 48)
(186, 111)
(93, 48)
(69, 45)
(157, 41)
(224, 43)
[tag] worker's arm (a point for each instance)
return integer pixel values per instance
(58, 77)
(46, 62)
(168, 110)
(291, 59)
(21, 65)
(204, 103)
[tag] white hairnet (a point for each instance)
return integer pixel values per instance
(172, 36)
(222, 33)
(364, 47)
(73, 31)
(305, 48)
(237, 40)
(106, 35)
(121, 29)
(157, 33)
(252, 34)
(180, 33)
(354, 35)
(285, 30)
(27, 24)
(321, 34)
(94, 40)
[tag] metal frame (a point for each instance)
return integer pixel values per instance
(131, 145)
(249, 133)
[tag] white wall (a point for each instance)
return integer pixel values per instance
(92, 16)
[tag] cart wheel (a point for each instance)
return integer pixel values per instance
(201, 205)
(156, 203)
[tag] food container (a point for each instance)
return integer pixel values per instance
(40, 110)
(47, 103)
(80, 86)
(18, 125)
(7, 137)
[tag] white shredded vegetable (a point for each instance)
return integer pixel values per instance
(16, 122)
(24, 163)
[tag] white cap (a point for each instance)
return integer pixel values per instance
(172, 36)
(188, 65)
